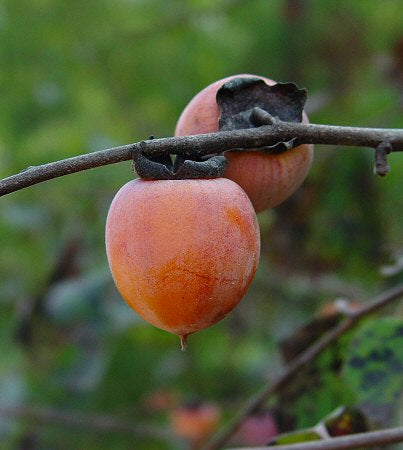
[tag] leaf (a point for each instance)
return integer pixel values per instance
(341, 422)
(318, 389)
(305, 336)
(374, 367)
(297, 436)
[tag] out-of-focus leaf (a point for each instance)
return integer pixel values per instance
(318, 389)
(74, 298)
(305, 336)
(13, 386)
(374, 367)
(297, 436)
(26, 218)
(342, 421)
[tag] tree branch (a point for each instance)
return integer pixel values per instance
(205, 144)
(359, 440)
(301, 361)
(99, 423)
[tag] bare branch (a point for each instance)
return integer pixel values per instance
(205, 144)
(359, 440)
(99, 423)
(301, 361)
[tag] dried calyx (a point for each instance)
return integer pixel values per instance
(163, 168)
(240, 98)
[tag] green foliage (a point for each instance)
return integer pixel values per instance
(374, 367)
(340, 422)
(296, 437)
(318, 389)
(81, 76)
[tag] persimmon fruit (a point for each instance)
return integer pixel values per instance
(196, 422)
(268, 179)
(182, 252)
(258, 428)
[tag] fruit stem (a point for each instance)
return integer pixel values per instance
(184, 340)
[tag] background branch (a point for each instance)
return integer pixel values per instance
(359, 440)
(301, 361)
(205, 144)
(99, 423)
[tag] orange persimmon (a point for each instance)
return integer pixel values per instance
(195, 422)
(182, 252)
(268, 179)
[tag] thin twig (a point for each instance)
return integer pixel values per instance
(359, 440)
(204, 144)
(381, 167)
(302, 360)
(99, 423)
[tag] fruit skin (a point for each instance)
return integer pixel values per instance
(268, 179)
(257, 429)
(182, 252)
(195, 422)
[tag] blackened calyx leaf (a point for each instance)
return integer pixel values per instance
(237, 98)
(161, 167)
(346, 420)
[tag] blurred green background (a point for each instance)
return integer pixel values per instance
(80, 76)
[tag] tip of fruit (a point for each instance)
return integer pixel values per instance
(184, 340)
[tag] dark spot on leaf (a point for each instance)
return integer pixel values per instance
(396, 367)
(381, 355)
(357, 362)
(398, 332)
(370, 334)
(372, 378)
